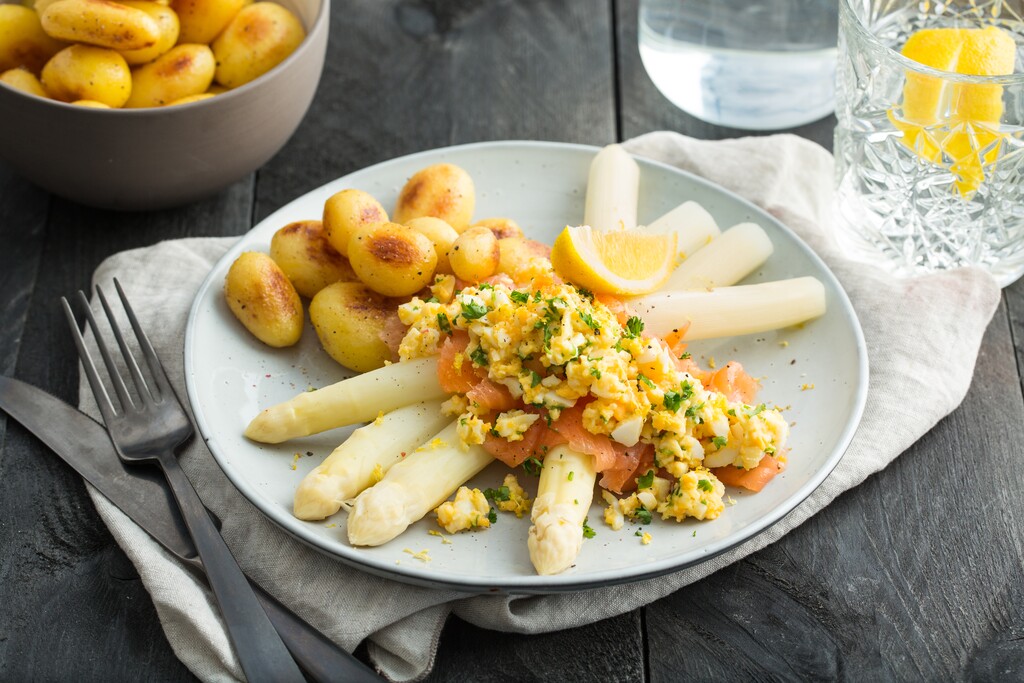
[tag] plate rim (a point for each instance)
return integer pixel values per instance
(537, 584)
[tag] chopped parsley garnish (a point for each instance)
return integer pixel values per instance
(751, 412)
(492, 516)
(433, 300)
(443, 323)
(719, 441)
(471, 310)
(634, 326)
(495, 432)
(643, 514)
(536, 296)
(731, 411)
(705, 485)
(519, 297)
(533, 466)
(595, 372)
(485, 285)
(691, 413)
(687, 388)
(645, 481)
(499, 494)
(589, 320)
(684, 355)
(673, 399)
(535, 379)
(571, 475)
(587, 531)
(646, 380)
(585, 293)
(479, 356)
(639, 532)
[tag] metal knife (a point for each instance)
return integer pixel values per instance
(143, 495)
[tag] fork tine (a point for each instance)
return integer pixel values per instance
(107, 408)
(115, 377)
(129, 358)
(152, 360)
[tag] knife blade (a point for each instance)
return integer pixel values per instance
(143, 495)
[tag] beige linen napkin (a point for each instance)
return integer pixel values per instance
(922, 334)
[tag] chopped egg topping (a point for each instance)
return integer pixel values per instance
(552, 345)
(469, 510)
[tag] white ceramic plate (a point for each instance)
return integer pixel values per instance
(231, 377)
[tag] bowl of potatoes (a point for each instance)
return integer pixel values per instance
(147, 104)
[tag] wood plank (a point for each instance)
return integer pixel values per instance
(405, 76)
(603, 651)
(644, 109)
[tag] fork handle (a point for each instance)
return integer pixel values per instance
(260, 651)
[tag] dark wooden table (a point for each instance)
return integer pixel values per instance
(916, 574)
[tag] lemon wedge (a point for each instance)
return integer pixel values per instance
(623, 262)
(956, 124)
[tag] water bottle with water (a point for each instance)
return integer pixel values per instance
(749, 64)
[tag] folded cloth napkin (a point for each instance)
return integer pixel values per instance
(922, 335)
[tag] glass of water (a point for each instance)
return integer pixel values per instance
(929, 163)
(750, 64)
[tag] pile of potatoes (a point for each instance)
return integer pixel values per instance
(357, 265)
(141, 53)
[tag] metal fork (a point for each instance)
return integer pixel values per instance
(150, 428)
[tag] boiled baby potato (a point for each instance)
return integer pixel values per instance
(501, 227)
(84, 72)
(23, 80)
(346, 213)
(392, 259)
(350, 320)
(191, 98)
(307, 258)
(475, 255)
(101, 23)
(441, 234)
(443, 191)
(515, 254)
(23, 42)
(262, 297)
(90, 104)
(203, 20)
(259, 38)
(166, 20)
(183, 71)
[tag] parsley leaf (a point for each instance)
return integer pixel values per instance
(571, 475)
(719, 441)
(443, 323)
(589, 320)
(687, 388)
(588, 532)
(499, 494)
(684, 355)
(634, 326)
(643, 514)
(535, 379)
(519, 297)
(595, 372)
(585, 293)
(705, 485)
(479, 356)
(533, 466)
(471, 310)
(492, 516)
(646, 380)
(673, 399)
(645, 481)
(751, 412)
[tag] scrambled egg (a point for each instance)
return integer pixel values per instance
(550, 345)
(511, 497)
(469, 510)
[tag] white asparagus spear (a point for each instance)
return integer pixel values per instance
(357, 399)
(735, 254)
(564, 494)
(414, 487)
(693, 225)
(613, 188)
(352, 466)
(732, 311)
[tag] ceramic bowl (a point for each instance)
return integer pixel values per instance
(164, 156)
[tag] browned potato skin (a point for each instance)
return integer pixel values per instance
(443, 191)
(307, 258)
(23, 43)
(101, 23)
(23, 80)
(392, 259)
(475, 255)
(350, 319)
(203, 20)
(258, 38)
(263, 299)
(346, 213)
(501, 227)
(185, 70)
(165, 19)
(86, 72)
